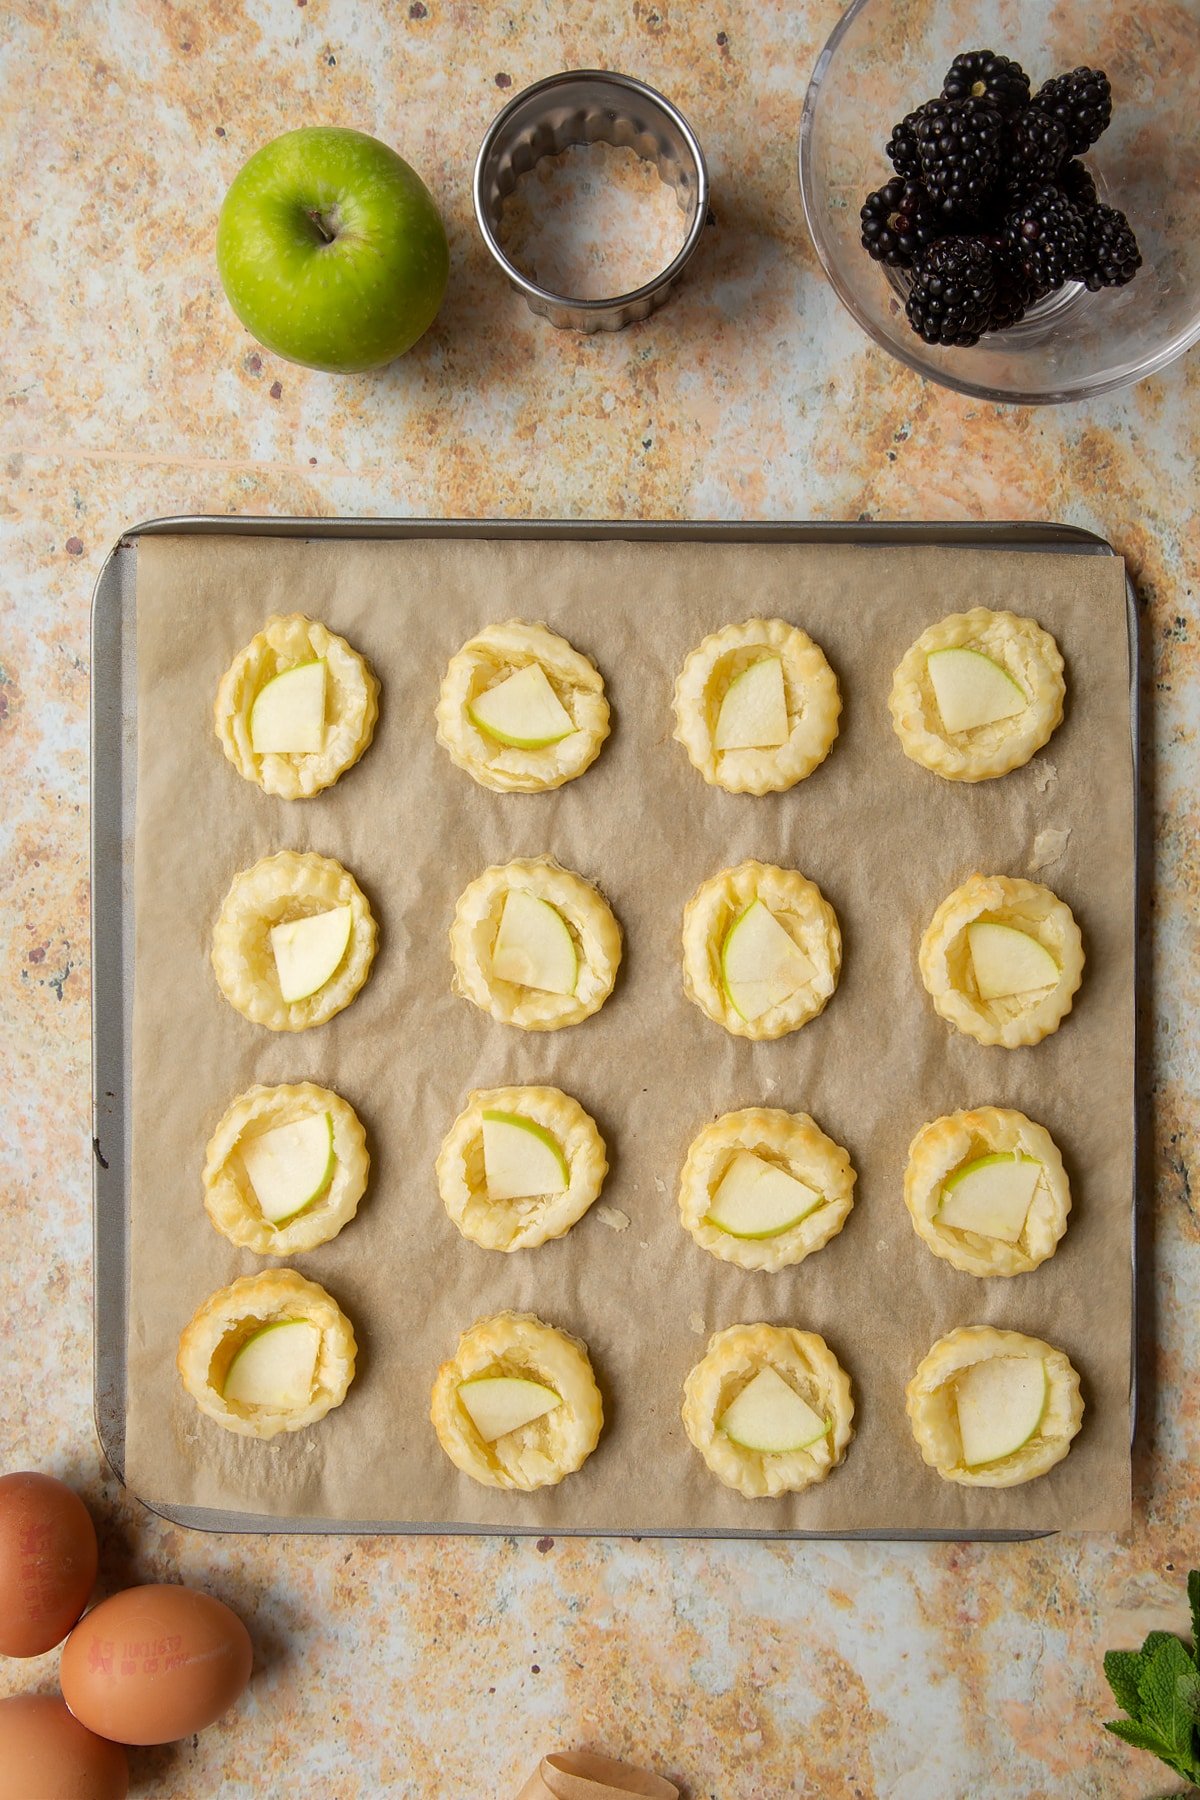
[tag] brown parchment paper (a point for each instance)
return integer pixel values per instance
(885, 840)
(582, 1775)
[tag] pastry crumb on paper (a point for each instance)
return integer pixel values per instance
(1045, 777)
(696, 1323)
(613, 1217)
(1049, 847)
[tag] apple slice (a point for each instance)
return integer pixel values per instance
(770, 1416)
(756, 1200)
(501, 1403)
(291, 1166)
(533, 946)
(753, 714)
(971, 689)
(1008, 961)
(522, 710)
(308, 951)
(991, 1195)
(288, 715)
(1000, 1406)
(521, 1160)
(761, 964)
(276, 1366)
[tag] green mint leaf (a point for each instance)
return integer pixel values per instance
(1145, 1737)
(1165, 1691)
(1193, 1586)
(1142, 1737)
(1123, 1671)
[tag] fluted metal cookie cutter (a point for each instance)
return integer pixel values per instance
(589, 106)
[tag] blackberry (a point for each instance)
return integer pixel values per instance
(1048, 235)
(1015, 294)
(1075, 180)
(953, 292)
(898, 220)
(1082, 101)
(985, 76)
(1036, 147)
(959, 143)
(1112, 256)
(902, 150)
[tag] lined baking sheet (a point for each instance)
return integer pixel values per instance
(884, 839)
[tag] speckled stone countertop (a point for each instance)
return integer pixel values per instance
(440, 1670)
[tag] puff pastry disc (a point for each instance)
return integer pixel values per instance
(946, 1145)
(1028, 655)
(933, 1411)
(291, 885)
(520, 1224)
(490, 658)
(805, 1361)
(811, 694)
(229, 1196)
(790, 1141)
(948, 972)
(236, 1313)
(798, 905)
(535, 1455)
(351, 706)
(588, 918)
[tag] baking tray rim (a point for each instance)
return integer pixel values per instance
(112, 965)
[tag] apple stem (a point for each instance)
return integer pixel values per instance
(328, 232)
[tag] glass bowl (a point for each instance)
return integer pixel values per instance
(887, 56)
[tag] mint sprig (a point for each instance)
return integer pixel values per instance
(1159, 1687)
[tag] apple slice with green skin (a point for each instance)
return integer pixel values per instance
(991, 1195)
(521, 1160)
(308, 951)
(769, 1416)
(1000, 1406)
(288, 715)
(761, 964)
(757, 1200)
(753, 713)
(972, 690)
(523, 711)
(276, 1366)
(533, 947)
(498, 1404)
(290, 1166)
(1007, 961)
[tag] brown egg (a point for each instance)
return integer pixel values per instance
(47, 1753)
(154, 1664)
(47, 1562)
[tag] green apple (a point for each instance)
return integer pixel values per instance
(521, 1160)
(331, 251)
(991, 1195)
(1008, 961)
(276, 1366)
(288, 715)
(1000, 1405)
(972, 690)
(770, 1416)
(754, 1199)
(308, 951)
(761, 964)
(497, 1404)
(290, 1166)
(753, 713)
(533, 947)
(523, 710)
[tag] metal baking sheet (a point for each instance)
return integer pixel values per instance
(113, 796)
